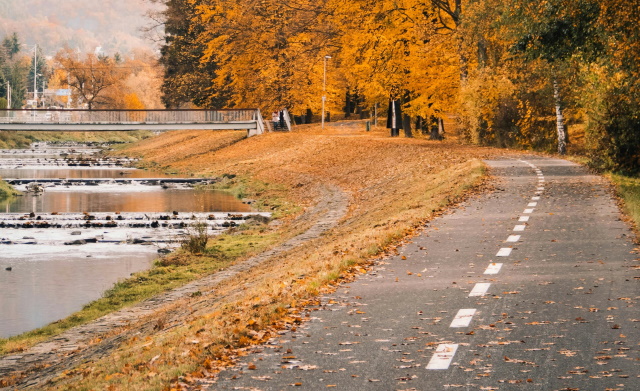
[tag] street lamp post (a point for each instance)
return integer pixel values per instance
(35, 73)
(324, 87)
(44, 96)
(8, 95)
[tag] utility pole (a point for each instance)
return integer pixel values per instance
(35, 73)
(44, 96)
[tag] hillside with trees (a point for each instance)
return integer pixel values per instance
(514, 73)
(93, 81)
(114, 25)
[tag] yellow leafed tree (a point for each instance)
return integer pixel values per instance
(269, 52)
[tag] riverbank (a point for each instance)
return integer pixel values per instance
(389, 186)
(7, 190)
(13, 140)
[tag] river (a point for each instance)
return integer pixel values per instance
(117, 220)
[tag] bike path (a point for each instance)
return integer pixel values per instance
(531, 286)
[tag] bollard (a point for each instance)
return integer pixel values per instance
(368, 124)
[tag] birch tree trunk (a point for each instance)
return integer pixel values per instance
(562, 134)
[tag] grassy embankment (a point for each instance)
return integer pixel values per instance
(6, 191)
(628, 189)
(9, 139)
(393, 185)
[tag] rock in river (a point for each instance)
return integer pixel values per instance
(76, 242)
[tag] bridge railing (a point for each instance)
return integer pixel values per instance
(75, 116)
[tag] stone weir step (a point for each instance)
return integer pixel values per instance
(97, 181)
(128, 220)
(59, 161)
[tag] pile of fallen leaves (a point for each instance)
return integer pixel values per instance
(393, 186)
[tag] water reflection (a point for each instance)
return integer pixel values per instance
(146, 199)
(38, 291)
(49, 283)
(56, 172)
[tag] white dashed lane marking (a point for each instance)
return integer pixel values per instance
(494, 268)
(463, 317)
(443, 356)
(480, 289)
(504, 252)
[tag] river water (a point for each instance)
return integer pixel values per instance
(42, 279)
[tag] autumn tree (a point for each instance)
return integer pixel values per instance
(510, 70)
(140, 82)
(188, 76)
(611, 96)
(394, 51)
(90, 77)
(447, 14)
(59, 80)
(555, 31)
(270, 54)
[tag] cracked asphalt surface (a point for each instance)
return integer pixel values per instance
(533, 286)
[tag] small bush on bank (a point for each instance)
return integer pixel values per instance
(197, 238)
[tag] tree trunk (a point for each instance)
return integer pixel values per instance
(482, 53)
(464, 68)
(347, 104)
(421, 125)
(434, 128)
(562, 134)
(406, 125)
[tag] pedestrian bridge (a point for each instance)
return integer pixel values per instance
(73, 120)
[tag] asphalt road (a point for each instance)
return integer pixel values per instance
(533, 286)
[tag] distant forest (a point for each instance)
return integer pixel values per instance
(115, 25)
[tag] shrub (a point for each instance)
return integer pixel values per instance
(197, 238)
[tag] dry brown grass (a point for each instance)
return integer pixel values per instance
(179, 145)
(394, 185)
